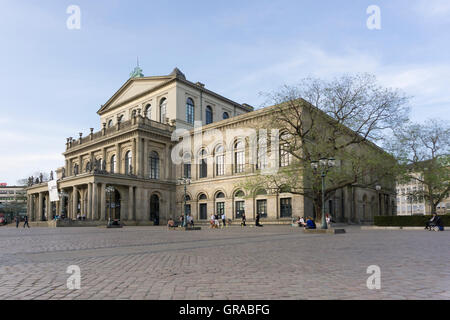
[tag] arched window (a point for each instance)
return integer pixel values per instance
(148, 110)
(110, 123)
(203, 166)
(285, 156)
(128, 161)
(220, 161)
(239, 194)
(133, 113)
(202, 196)
(190, 111)
(239, 157)
(120, 118)
(225, 115)
(220, 195)
(88, 166)
(113, 164)
(209, 115)
(163, 110)
(154, 165)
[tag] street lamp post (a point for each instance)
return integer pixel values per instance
(378, 188)
(323, 166)
(185, 181)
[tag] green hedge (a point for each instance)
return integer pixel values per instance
(407, 221)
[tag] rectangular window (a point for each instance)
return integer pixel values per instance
(261, 208)
(190, 114)
(285, 156)
(154, 168)
(239, 161)
(220, 208)
(239, 209)
(203, 211)
(285, 208)
(220, 165)
(187, 170)
(203, 169)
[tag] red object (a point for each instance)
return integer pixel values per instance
(2, 184)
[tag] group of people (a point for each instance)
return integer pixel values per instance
(218, 222)
(309, 222)
(25, 221)
(81, 217)
(181, 222)
(434, 222)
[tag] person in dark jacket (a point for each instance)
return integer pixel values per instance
(243, 220)
(310, 224)
(17, 221)
(434, 221)
(257, 221)
(26, 222)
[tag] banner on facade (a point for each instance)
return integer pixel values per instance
(53, 190)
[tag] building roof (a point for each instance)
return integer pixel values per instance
(161, 81)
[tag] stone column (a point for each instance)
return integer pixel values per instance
(130, 203)
(94, 208)
(31, 212)
(118, 159)
(40, 206)
(61, 205)
(89, 204)
(134, 159)
(145, 167)
(74, 202)
(104, 157)
(103, 202)
(167, 162)
(139, 166)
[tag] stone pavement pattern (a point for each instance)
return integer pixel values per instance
(274, 262)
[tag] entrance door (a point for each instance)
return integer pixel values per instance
(154, 209)
(203, 211)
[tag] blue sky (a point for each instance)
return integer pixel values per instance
(53, 79)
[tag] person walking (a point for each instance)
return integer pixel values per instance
(257, 221)
(224, 223)
(243, 220)
(328, 220)
(26, 222)
(17, 221)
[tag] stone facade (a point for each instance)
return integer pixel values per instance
(127, 169)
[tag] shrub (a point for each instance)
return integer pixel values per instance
(407, 221)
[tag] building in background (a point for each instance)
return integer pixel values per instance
(409, 203)
(13, 201)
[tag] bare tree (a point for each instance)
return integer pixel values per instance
(338, 119)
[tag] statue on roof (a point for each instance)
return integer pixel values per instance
(137, 72)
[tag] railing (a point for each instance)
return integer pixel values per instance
(139, 121)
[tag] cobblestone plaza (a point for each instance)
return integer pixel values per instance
(274, 262)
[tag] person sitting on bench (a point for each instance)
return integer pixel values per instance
(432, 222)
(170, 223)
(310, 224)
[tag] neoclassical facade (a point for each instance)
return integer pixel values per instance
(131, 169)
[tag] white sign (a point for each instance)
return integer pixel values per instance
(53, 190)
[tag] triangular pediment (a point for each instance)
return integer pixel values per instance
(132, 89)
